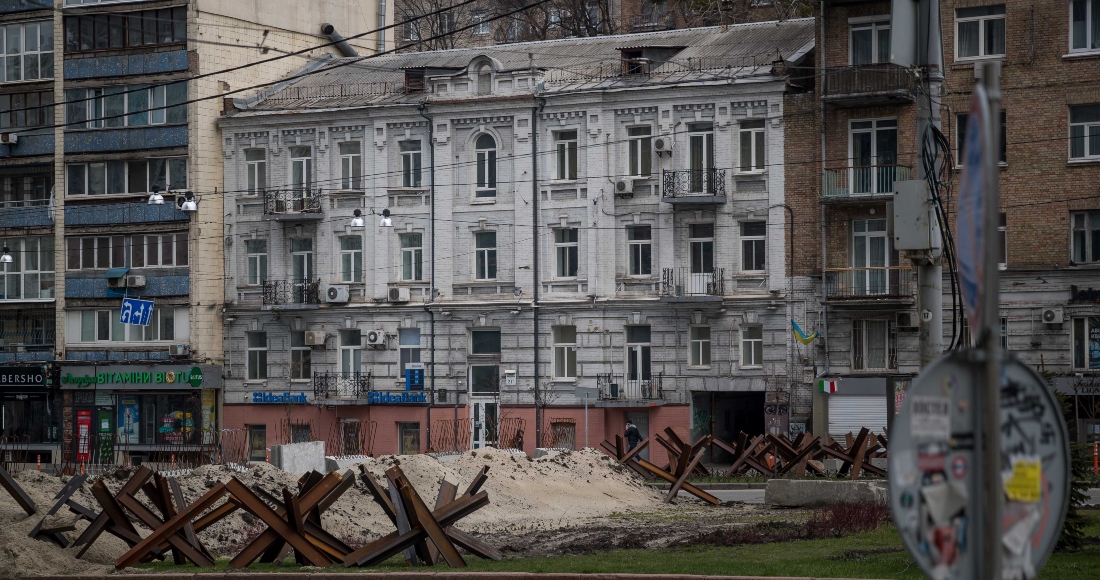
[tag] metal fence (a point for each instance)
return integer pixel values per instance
(881, 282)
(693, 182)
(687, 282)
(342, 385)
(281, 201)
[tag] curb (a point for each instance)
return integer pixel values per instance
(716, 486)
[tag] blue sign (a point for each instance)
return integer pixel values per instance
(970, 233)
(134, 311)
(400, 398)
(260, 397)
(414, 377)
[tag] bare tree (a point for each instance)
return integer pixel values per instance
(432, 31)
(554, 19)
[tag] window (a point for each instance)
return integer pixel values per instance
(1085, 236)
(257, 442)
(99, 252)
(410, 163)
(961, 121)
(1086, 343)
(1084, 25)
(1004, 333)
(640, 151)
(701, 157)
(753, 246)
(28, 51)
(26, 110)
(874, 345)
(126, 177)
(25, 191)
(640, 248)
(565, 352)
(351, 258)
(752, 146)
(126, 106)
(351, 165)
(30, 275)
(103, 326)
(481, 23)
(752, 346)
(1084, 132)
(700, 346)
(637, 359)
(256, 254)
(486, 148)
(871, 253)
(701, 250)
(412, 257)
(870, 43)
(410, 31)
(351, 351)
(124, 30)
(566, 251)
(980, 32)
(257, 356)
(485, 342)
(300, 355)
(485, 256)
(873, 156)
(158, 250)
(565, 149)
(408, 341)
(301, 168)
(484, 379)
(1002, 240)
(256, 167)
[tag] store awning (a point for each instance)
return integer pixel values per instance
(116, 273)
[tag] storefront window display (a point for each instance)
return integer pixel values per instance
(31, 421)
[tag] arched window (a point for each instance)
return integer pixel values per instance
(486, 148)
(484, 79)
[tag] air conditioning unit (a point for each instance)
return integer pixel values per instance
(179, 350)
(624, 187)
(119, 282)
(376, 338)
(135, 281)
(399, 294)
(1053, 315)
(662, 145)
(9, 138)
(908, 320)
(336, 294)
(315, 338)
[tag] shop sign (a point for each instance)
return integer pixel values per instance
(398, 398)
(1083, 294)
(140, 377)
(22, 383)
(279, 398)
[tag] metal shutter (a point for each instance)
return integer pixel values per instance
(850, 413)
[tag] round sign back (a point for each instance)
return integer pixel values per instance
(934, 491)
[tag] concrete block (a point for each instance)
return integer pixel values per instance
(299, 458)
(341, 464)
(819, 493)
(546, 452)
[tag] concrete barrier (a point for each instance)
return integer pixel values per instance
(343, 463)
(819, 493)
(299, 458)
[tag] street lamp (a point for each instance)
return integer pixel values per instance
(156, 198)
(357, 221)
(6, 258)
(386, 221)
(189, 204)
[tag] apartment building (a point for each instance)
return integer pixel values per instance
(521, 246)
(857, 136)
(107, 115)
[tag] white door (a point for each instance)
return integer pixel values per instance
(483, 418)
(850, 413)
(870, 257)
(701, 248)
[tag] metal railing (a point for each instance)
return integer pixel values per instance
(844, 182)
(860, 362)
(341, 385)
(880, 282)
(869, 79)
(652, 19)
(31, 340)
(283, 201)
(687, 282)
(11, 203)
(617, 387)
(287, 292)
(693, 182)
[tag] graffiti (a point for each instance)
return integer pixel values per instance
(700, 422)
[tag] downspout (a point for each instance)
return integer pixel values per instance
(431, 268)
(824, 290)
(338, 40)
(535, 255)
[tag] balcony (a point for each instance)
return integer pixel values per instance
(869, 85)
(861, 182)
(694, 186)
(618, 390)
(686, 285)
(870, 284)
(352, 386)
(293, 205)
(26, 286)
(291, 294)
(651, 20)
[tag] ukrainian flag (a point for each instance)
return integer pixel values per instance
(801, 336)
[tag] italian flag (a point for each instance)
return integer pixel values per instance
(827, 386)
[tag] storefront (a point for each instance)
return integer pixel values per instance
(30, 412)
(137, 410)
(1083, 393)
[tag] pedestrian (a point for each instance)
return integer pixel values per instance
(633, 437)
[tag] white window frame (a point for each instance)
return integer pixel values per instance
(1084, 226)
(105, 168)
(410, 31)
(639, 151)
(566, 253)
(133, 106)
(1002, 241)
(24, 56)
(255, 171)
(408, 348)
(565, 155)
(982, 21)
(485, 256)
(303, 165)
(255, 263)
(638, 249)
(877, 27)
(486, 168)
(256, 361)
(638, 354)
(106, 328)
(1080, 330)
(754, 131)
(699, 354)
(1092, 7)
(411, 163)
(31, 259)
(754, 240)
(565, 354)
(351, 165)
(351, 258)
(481, 23)
(97, 243)
(752, 348)
(412, 257)
(1089, 135)
(301, 355)
(351, 351)
(860, 351)
(152, 254)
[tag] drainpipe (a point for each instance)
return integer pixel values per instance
(535, 255)
(431, 266)
(824, 292)
(338, 39)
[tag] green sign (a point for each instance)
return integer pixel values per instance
(195, 377)
(89, 377)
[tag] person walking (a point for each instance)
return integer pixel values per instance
(632, 436)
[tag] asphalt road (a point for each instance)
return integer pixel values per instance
(757, 495)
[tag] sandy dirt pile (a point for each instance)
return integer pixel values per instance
(525, 495)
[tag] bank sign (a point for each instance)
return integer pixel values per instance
(397, 398)
(136, 377)
(279, 398)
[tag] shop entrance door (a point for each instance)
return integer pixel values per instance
(409, 438)
(484, 420)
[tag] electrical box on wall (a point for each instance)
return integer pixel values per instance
(914, 227)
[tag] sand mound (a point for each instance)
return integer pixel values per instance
(524, 494)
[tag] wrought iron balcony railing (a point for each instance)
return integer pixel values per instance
(869, 283)
(284, 201)
(693, 182)
(687, 282)
(291, 292)
(342, 385)
(618, 387)
(652, 20)
(883, 80)
(846, 182)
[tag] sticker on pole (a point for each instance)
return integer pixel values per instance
(1024, 482)
(930, 418)
(970, 233)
